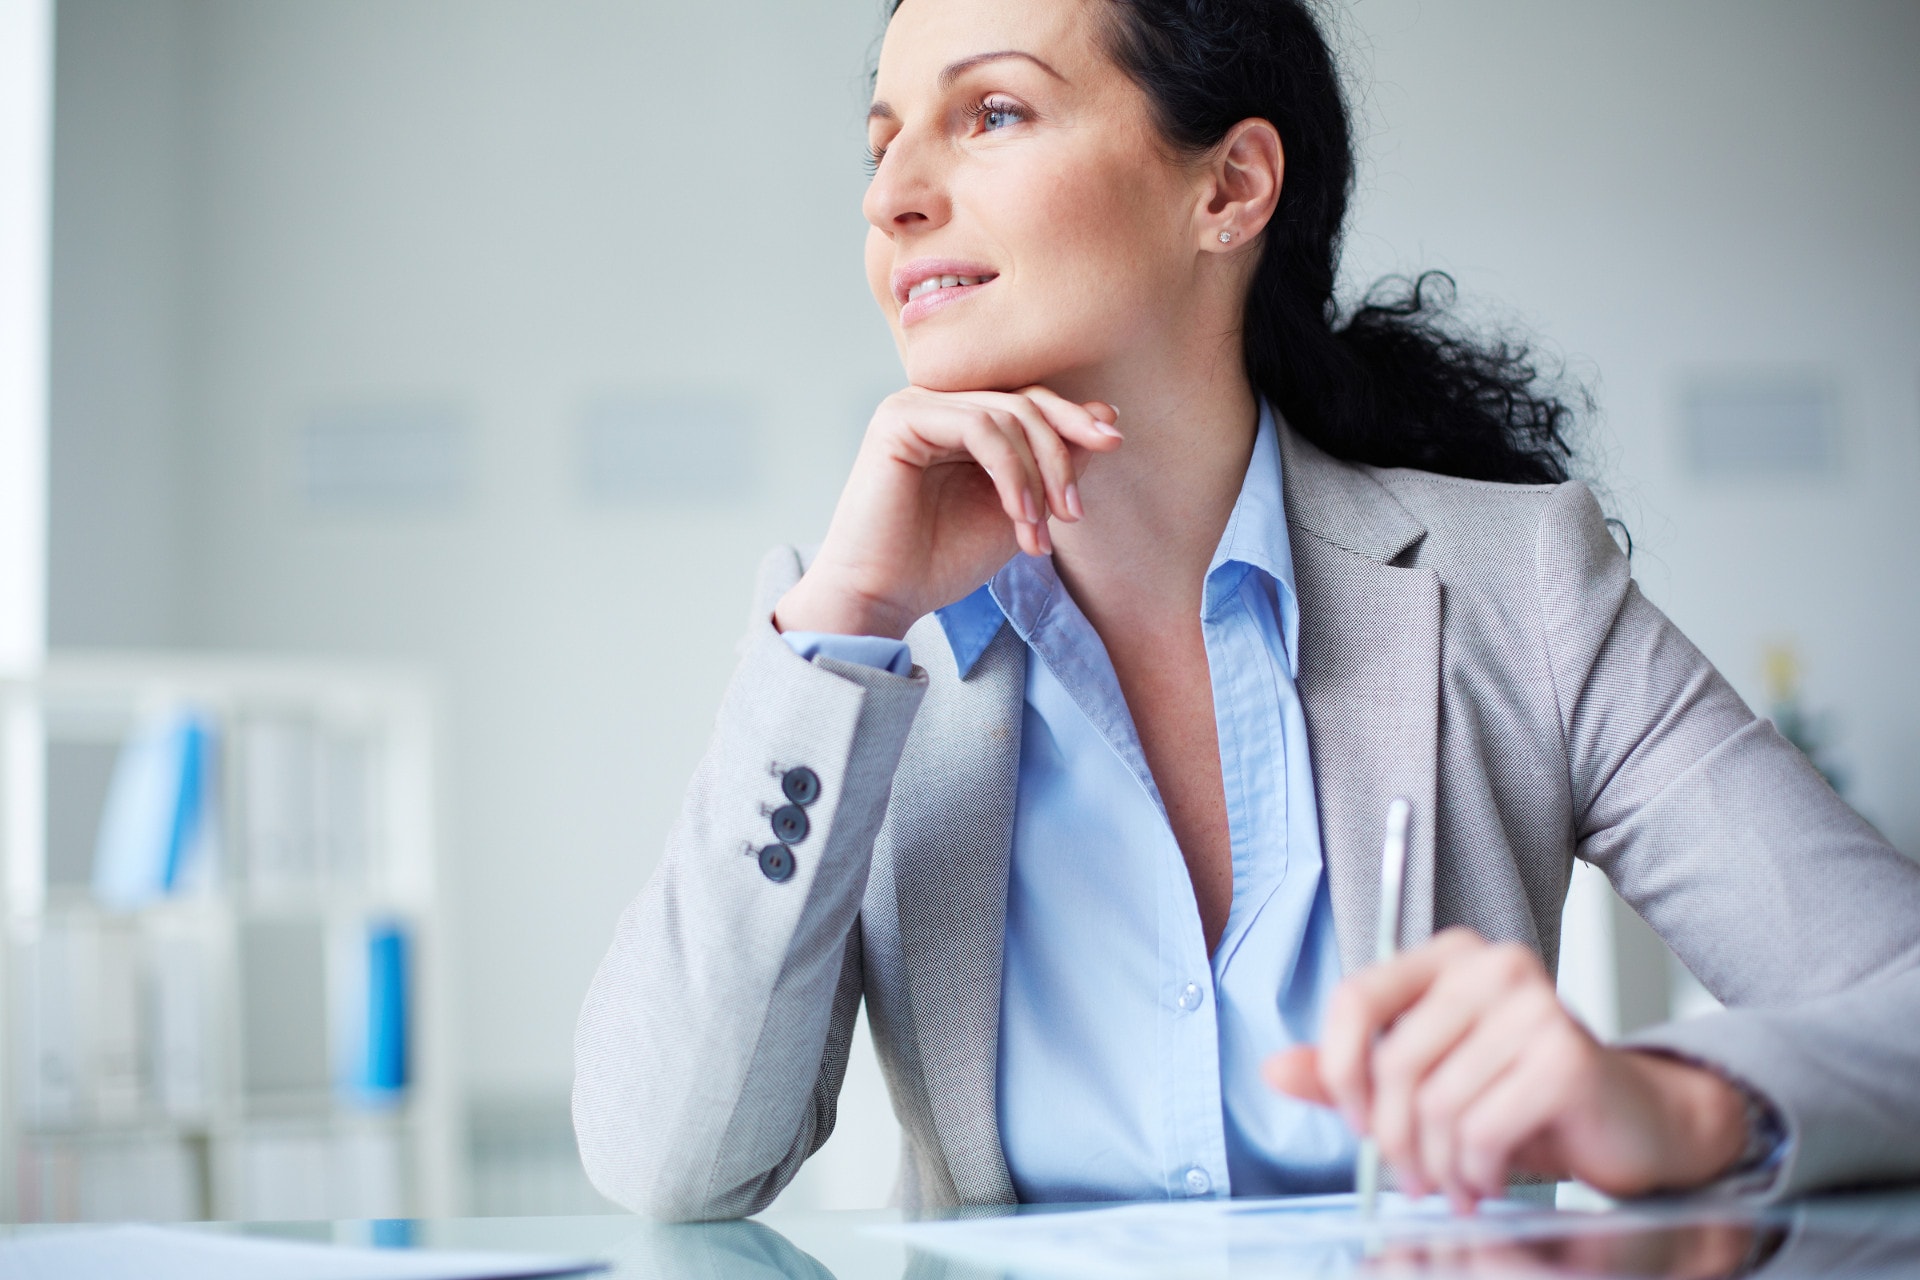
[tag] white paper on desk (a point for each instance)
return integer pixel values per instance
(156, 1253)
(1305, 1235)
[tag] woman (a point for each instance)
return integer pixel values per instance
(1096, 841)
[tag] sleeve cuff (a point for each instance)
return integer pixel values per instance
(892, 656)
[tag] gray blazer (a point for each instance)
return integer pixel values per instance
(1479, 648)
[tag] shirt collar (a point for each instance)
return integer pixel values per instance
(1255, 539)
(971, 625)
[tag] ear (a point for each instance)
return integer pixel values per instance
(1241, 186)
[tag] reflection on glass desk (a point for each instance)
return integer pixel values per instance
(1867, 1235)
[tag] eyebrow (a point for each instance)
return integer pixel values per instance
(954, 70)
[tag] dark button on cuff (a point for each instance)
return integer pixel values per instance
(801, 785)
(790, 823)
(776, 863)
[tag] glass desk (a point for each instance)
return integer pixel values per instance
(1866, 1235)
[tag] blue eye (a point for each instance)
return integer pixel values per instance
(996, 115)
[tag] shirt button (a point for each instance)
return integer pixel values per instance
(1197, 1181)
(1191, 997)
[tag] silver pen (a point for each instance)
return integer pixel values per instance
(1393, 871)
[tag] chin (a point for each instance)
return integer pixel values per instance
(952, 362)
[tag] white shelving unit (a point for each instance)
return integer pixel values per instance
(180, 1059)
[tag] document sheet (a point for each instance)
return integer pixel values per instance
(159, 1253)
(1310, 1235)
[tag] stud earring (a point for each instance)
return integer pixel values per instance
(1226, 237)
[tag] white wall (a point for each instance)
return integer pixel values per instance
(26, 101)
(119, 322)
(1660, 188)
(26, 138)
(518, 207)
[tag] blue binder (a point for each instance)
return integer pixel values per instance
(383, 1074)
(157, 817)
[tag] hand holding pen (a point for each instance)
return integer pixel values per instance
(1457, 1058)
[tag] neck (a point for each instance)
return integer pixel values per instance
(1156, 507)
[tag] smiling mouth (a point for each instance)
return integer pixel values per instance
(934, 283)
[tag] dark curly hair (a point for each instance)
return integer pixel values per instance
(1396, 383)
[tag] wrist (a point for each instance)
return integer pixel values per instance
(818, 603)
(1706, 1118)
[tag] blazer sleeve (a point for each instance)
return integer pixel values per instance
(709, 1053)
(1784, 902)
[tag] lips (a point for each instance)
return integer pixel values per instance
(944, 282)
(927, 285)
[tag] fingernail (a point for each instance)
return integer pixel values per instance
(1027, 505)
(1046, 537)
(1074, 508)
(1108, 429)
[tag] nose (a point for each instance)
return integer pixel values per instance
(909, 191)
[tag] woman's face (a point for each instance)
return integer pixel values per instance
(1014, 154)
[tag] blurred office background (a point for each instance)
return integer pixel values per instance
(422, 380)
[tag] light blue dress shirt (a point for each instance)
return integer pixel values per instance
(1129, 1060)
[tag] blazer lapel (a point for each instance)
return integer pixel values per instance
(950, 876)
(1369, 684)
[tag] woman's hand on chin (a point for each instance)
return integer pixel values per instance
(948, 485)
(1459, 1058)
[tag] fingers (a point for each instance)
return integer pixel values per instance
(1089, 426)
(1031, 443)
(1296, 1071)
(1050, 454)
(1474, 984)
(998, 443)
(1031, 434)
(1460, 1059)
(1060, 434)
(1364, 1006)
(1514, 1110)
(1413, 1050)
(1481, 1058)
(1511, 1071)
(924, 429)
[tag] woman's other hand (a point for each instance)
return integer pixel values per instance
(1459, 1058)
(948, 485)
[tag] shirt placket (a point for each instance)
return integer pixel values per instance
(1192, 1099)
(1194, 1148)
